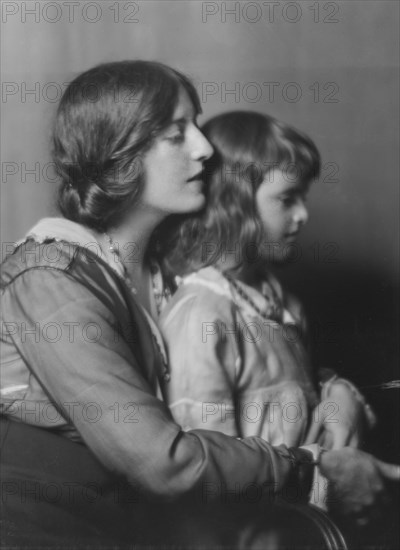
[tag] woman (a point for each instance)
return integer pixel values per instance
(247, 358)
(91, 454)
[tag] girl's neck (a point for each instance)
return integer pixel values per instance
(252, 274)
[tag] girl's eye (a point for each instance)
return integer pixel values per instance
(288, 201)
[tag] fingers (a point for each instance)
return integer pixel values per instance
(362, 521)
(374, 512)
(390, 471)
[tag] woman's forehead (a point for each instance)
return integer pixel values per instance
(184, 108)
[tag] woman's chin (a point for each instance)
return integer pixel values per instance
(195, 203)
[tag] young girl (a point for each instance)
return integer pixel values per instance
(236, 339)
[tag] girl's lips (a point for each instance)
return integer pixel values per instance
(291, 237)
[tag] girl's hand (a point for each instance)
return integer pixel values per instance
(339, 420)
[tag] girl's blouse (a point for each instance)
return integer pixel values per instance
(234, 369)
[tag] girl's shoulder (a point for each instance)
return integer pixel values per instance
(207, 280)
(205, 293)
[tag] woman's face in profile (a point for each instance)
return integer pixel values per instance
(173, 165)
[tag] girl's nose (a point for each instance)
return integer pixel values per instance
(301, 213)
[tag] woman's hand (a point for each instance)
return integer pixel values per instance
(339, 420)
(358, 483)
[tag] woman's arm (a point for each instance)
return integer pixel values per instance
(96, 381)
(153, 453)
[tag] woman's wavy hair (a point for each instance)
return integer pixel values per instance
(107, 119)
(246, 146)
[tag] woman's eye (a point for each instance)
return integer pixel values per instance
(176, 134)
(176, 138)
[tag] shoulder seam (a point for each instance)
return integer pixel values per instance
(38, 267)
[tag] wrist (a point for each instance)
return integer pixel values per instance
(302, 468)
(318, 493)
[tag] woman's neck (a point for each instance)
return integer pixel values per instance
(129, 244)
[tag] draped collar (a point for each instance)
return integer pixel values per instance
(61, 229)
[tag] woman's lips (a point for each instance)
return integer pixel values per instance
(197, 177)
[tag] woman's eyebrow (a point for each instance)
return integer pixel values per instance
(177, 123)
(182, 120)
(185, 118)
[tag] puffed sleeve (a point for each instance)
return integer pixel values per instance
(96, 371)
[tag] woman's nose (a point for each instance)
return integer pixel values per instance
(201, 147)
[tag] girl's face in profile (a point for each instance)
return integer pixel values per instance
(173, 165)
(280, 202)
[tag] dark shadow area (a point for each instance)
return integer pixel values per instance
(354, 327)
